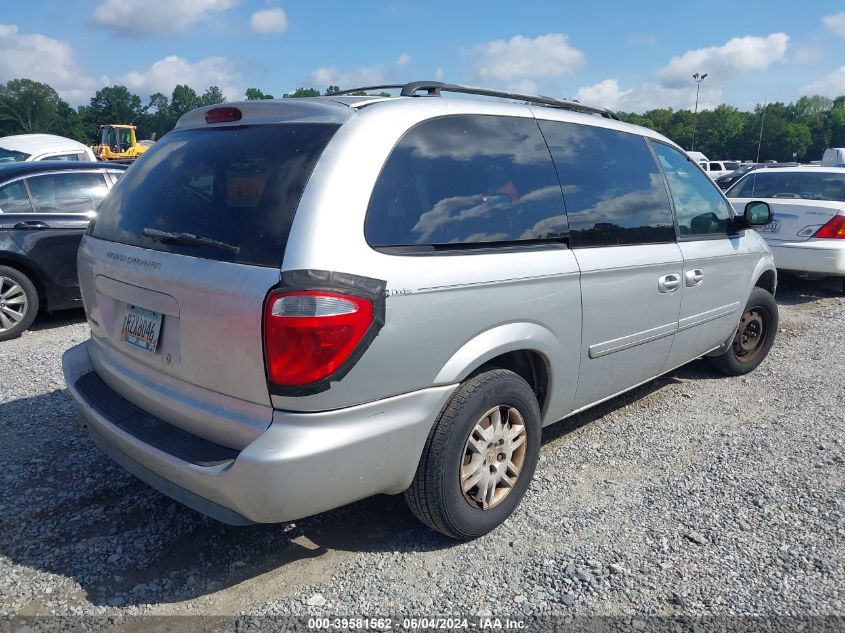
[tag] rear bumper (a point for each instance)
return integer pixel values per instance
(303, 464)
(826, 257)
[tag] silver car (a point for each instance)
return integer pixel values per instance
(297, 304)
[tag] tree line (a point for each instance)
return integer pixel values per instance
(800, 130)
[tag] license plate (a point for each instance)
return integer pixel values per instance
(141, 328)
(771, 227)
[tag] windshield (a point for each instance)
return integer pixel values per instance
(731, 165)
(239, 186)
(790, 185)
(11, 156)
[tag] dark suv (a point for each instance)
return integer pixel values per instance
(44, 209)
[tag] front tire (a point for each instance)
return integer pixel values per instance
(479, 457)
(753, 338)
(18, 303)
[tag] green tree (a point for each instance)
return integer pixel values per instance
(302, 92)
(112, 104)
(68, 123)
(254, 94)
(332, 90)
(28, 106)
(212, 95)
(184, 99)
(158, 119)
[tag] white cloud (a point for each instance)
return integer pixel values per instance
(735, 58)
(331, 76)
(604, 94)
(438, 74)
(672, 85)
(403, 59)
(138, 18)
(523, 57)
(831, 85)
(163, 75)
(647, 96)
(269, 21)
(524, 86)
(835, 22)
(41, 58)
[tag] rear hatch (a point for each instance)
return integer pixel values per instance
(801, 202)
(175, 269)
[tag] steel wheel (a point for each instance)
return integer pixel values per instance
(751, 335)
(493, 457)
(13, 304)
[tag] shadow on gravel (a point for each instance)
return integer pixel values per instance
(61, 318)
(67, 509)
(792, 290)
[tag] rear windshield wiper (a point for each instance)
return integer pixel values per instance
(189, 238)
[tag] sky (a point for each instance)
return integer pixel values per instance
(630, 56)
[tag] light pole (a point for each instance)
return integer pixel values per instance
(698, 79)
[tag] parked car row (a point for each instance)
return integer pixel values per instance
(45, 208)
(36, 147)
(807, 234)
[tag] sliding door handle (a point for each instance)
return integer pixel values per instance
(669, 283)
(694, 277)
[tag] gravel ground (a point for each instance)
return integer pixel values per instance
(692, 495)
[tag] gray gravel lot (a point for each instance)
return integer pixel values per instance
(693, 495)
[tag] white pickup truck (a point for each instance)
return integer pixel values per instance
(716, 168)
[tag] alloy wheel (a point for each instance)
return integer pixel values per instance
(493, 457)
(13, 303)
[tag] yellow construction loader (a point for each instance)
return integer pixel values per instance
(118, 142)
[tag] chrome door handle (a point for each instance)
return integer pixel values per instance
(669, 283)
(694, 277)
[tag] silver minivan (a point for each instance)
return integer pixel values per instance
(296, 304)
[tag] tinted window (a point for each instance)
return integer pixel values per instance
(467, 179)
(613, 190)
(236, 185)
(64, 157)
(70, 192)
(699, 206)
(11, 156)
(715, 167)
(14, 198)
(731, 165)
(773, 183)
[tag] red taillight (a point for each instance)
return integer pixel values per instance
(309, 334)
(835, 228)
(223, 115)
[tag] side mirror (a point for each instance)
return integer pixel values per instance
(757, 213)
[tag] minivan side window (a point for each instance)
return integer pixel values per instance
(467, 179)
(14, 198)
(612, 187)
(699, 207)
(67, 192)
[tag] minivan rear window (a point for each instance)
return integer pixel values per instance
(235, 186)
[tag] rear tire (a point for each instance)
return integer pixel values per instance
(479, 457)
(18, 303)
(753, 338)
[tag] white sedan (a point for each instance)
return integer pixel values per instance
(808, 231)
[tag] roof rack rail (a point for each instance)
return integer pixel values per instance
(435, 88)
